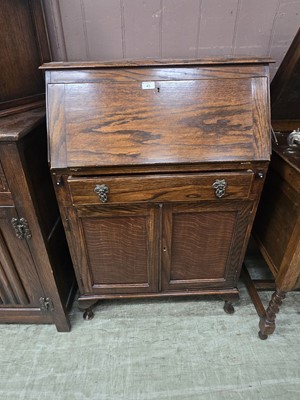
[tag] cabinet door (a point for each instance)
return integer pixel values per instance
(19, 283)
(115, 248)
(202, 244)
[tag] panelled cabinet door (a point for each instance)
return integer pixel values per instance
(19, 282)
(202, 244)
(118, 248)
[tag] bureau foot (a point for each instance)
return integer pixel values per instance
(267, 322)
(228, 307)
(88, 314)
(86, 307)
(262, 336)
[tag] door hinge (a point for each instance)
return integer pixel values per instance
(21, 228)
(46, 304)
(67, 225)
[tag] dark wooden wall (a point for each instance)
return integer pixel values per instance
(114, 29)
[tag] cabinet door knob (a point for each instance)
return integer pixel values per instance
(220, 186)
(102, 191)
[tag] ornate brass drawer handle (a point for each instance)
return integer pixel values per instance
(21, 228)
(220, 187)
(102, 191)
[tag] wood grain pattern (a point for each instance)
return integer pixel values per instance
(12, 291)
(133, 73)
(261, 117)
(55, 119)
(197, 247)
(120, 251)
(119, 247)
(24, 47)
(131, 132)
(15, 127)
(191, 259)
(27, 55)
(3, 181)
(156, 62)
(144, 133)
(6, 199)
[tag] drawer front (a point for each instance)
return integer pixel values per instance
(161, 188)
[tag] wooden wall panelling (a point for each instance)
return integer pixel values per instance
(253, 27)
(103, 28)
(24, 46)
(179, 24)
(73, 28)
(286, 24)
(285, 88)
(98, 30)
(55, 29)
(142, 19)
(216, 27)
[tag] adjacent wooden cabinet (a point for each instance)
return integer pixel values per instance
(37, 281)
(277, 225)
(158, 168)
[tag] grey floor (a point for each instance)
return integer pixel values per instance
(182, 349)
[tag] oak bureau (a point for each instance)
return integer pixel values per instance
(158, 168)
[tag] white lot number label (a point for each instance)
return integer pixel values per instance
(148, 85)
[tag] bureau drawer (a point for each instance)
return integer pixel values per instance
(161, 188)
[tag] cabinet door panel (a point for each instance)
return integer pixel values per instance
(118, 248)
(202, 244)
(19, 283)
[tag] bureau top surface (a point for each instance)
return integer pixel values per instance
(116, 114)
(154, 63)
